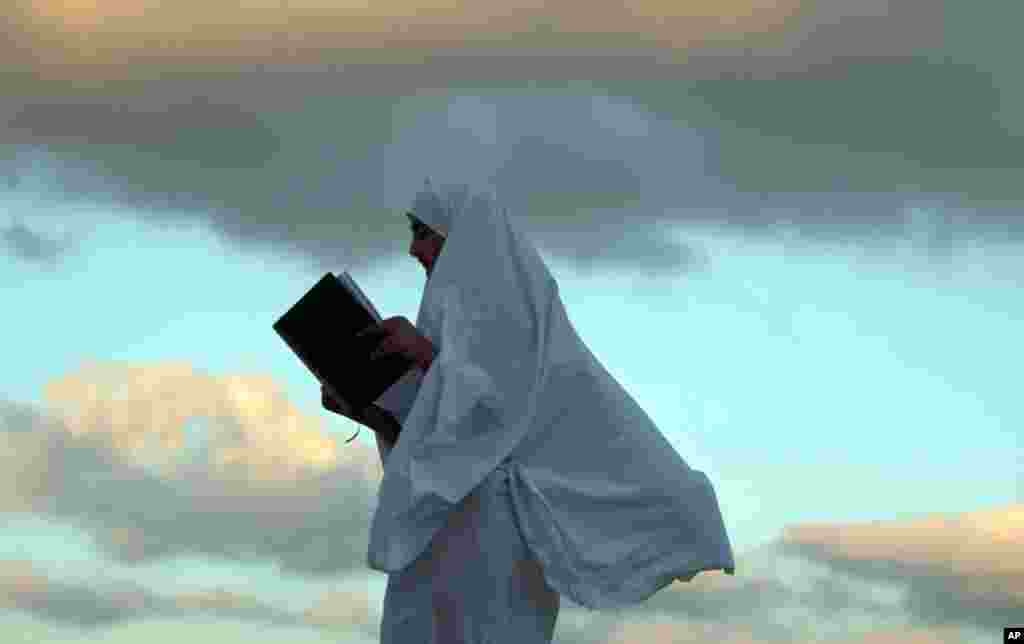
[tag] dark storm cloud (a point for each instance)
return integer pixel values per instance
(347, 166)
(831, 123)
(914, 126)
(177, 124)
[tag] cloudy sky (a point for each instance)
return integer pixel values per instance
(793, 230)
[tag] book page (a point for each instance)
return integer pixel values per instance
(350, 284)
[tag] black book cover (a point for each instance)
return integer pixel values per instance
(320, 329)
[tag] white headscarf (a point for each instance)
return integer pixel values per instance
(437, 210)
(484, 309)
(513, 384)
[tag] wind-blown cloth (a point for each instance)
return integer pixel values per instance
(601, 498)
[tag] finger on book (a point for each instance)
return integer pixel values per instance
(387, 346)
(373, 329)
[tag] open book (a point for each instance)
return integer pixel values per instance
(320, 329)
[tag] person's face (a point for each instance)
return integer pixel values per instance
(426, 245)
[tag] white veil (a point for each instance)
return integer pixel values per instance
(512, 383)
(476, 401)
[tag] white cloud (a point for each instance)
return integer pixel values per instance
(160, 460)
(957, 568)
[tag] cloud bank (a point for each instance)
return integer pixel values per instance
(964, 568)
(160, 461)
(89, 608)
(306, 137)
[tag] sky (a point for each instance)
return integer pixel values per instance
(793, 231)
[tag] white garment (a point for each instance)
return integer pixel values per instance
(600, 497)
(476, 583)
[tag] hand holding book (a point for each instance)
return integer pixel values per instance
(320, 328)
(323, 330)
(399, 336)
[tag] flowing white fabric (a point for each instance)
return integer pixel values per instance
(476, 583)
(600, 497)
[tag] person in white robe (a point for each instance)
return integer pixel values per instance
(523, 471)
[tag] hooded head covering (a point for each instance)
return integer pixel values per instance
(436, 210)
(604, 501)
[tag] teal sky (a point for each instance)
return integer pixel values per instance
(810, 382)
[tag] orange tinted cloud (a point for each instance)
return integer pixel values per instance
(25, 470)
(81, 33)
(238, 466)
(216, 600)
(965, 567)
(971, 545)
(20, 582)
(341, 608)
(252, 432)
